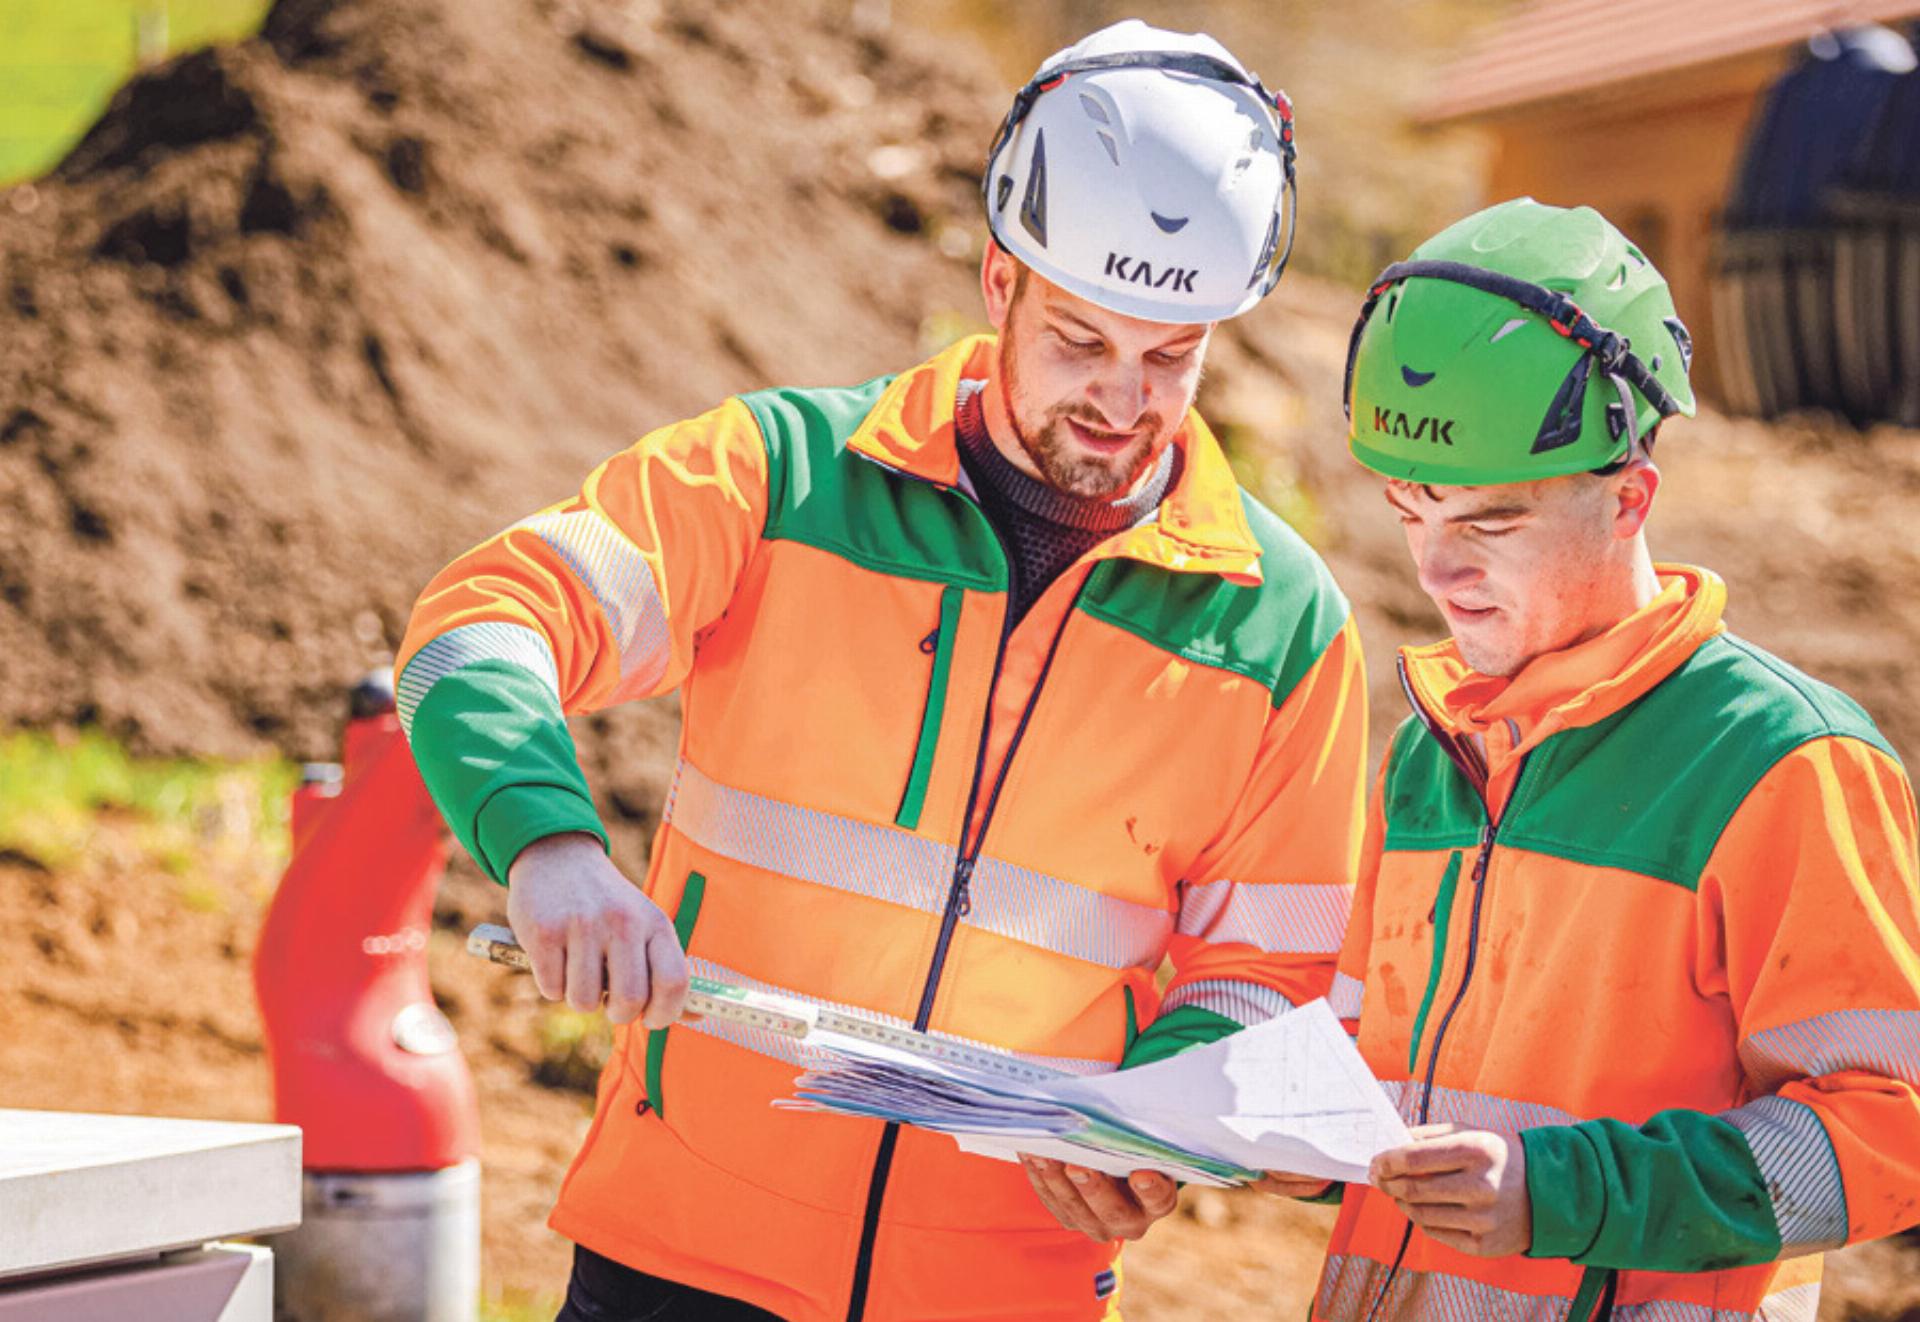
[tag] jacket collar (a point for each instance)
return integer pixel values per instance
(1201, 525)
(1579, 686)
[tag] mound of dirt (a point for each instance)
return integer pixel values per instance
(300, 319)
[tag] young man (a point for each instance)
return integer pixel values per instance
(1637, 915)
(995, 690)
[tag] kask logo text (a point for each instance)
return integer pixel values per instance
(1135, 271)
(1392, 422)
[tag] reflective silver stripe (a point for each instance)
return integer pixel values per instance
(458, 648)
(1801, 1303)
(1473, 1110)
(1246, 1003)
(621, 580)
(883, 863)
(796, 1052)
(1346, 997)
(1276, 917)
(1350, 1288)
(1673, 1310)
(1877, 1041)
(1796, 1159)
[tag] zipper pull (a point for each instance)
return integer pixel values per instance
(931, 643)
(963, 886)
(1486, 851)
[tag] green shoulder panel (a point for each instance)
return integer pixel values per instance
(1429, 804)
(1272, 632)
(823, 495)
(1650, 789)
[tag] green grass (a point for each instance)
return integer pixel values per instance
(61, 61)
(516, 1306)
(57, 793)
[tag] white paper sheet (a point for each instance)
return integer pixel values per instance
(1291, 1094)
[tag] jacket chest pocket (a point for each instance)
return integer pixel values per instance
(685, 917)
(939, 646)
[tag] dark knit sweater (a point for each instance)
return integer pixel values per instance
(1043, 528)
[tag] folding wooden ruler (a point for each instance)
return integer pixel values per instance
(797, 1019)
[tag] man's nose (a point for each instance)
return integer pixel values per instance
(1444, 568)
(1121, 396)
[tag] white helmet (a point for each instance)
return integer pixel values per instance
(1148, 172)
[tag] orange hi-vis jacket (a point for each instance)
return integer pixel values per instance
(1652, 907)
(888, 800)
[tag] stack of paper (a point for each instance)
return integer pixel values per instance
(1291, 1094)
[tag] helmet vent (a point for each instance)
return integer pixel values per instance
(1507, 330)
(1033, 206)
(1093, 109)
(1561, 426)
(1106, 140)
(1636, 254)
(1247, 158)
(1677, 329)
(1393, 301)
(1619, 280)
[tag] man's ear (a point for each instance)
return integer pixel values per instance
(999, 274)
(1634, 489)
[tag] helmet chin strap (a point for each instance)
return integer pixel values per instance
(1627, 410)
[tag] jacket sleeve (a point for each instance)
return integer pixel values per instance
(1265, 907)
(1809, 920)
(597, 600)
(1348, 996)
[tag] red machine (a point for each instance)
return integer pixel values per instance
(363, 1061)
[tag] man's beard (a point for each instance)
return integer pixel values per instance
(1062, 461)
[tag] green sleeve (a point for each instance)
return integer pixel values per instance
(493, 748)
(1176, 1031)
(1680, 1193)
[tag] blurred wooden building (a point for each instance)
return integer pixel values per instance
(1698, 126)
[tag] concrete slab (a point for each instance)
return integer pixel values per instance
(218, 1283)
(77, 1189)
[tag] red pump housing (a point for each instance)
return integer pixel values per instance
(363, 1061)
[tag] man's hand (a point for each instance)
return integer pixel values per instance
(1466, 1188)
(588, 931)
(1100, 1206)
(1283, 1185)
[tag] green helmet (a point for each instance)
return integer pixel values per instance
(1523, 342)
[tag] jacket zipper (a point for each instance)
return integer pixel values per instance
(1488, 834)
(1470, 765)
(959, 897)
